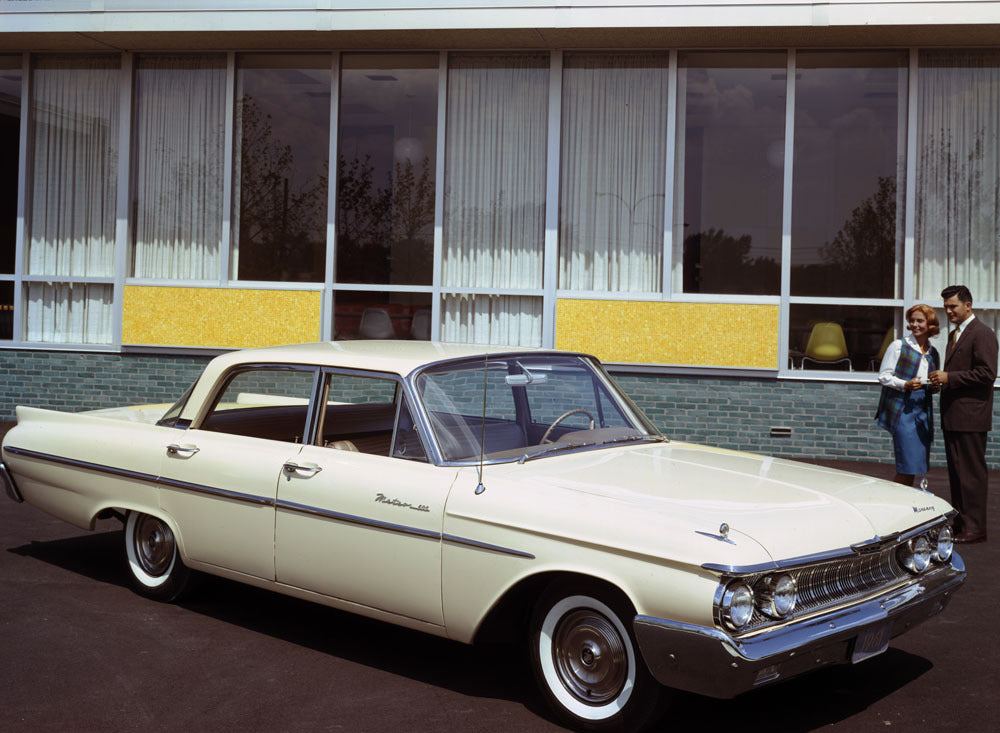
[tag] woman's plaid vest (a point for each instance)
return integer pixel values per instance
(892, 401)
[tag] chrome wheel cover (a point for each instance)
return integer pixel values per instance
(590, 657)
(154, 545)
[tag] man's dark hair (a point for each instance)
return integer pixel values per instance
(964, 296)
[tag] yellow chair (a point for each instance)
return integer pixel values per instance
(827, 345)
(876, 361)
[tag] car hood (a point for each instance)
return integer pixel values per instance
(686, 492)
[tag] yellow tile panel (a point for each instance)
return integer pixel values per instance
(653, 332)
(219, 317)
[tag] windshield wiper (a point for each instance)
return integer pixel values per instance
(633, 438)
(553, 448)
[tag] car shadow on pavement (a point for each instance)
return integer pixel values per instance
(496, 671)
(807, 703)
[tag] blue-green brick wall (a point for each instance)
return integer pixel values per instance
(829, 420)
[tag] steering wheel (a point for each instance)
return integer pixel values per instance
(545, 438)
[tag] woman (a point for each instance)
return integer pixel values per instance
(904, 408)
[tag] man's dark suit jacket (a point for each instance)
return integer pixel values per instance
(967, 399)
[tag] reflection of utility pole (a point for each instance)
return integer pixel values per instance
(633, 207)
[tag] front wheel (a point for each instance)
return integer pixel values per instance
(586, 663)
(154, 566)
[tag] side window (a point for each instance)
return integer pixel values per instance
(263, 402)
(359, 413)
(407, 443)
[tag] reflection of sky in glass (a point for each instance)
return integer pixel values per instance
(298, 103)
(733, 155)
(10, 81)
(848, 134)
(384, 104)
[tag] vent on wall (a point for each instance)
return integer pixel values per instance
(781, 432)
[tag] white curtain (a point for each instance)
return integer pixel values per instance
(492, 319)
(70, 313)
(494, 207)
(72, 190)
(180, 159)
(958, 174)
(614, 142)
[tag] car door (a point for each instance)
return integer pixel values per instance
(361, 519)
(219, 480)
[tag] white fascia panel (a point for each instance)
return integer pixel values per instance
(322, 15)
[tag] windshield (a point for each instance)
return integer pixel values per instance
(531, 405)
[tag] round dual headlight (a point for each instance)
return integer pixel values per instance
(737, 605)
(915, 554)
(943, 544)
(777, 595)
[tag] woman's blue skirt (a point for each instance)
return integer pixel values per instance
(911, 440)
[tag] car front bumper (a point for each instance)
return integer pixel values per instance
(8, 483)
(708, 661)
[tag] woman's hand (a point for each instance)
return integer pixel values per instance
(913, 384)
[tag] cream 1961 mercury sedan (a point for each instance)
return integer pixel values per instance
(465, 490)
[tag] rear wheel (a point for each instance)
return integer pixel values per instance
(586, 661)
(154, 565)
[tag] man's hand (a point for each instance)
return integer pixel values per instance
(938, 378)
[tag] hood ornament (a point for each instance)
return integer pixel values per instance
(724, 531)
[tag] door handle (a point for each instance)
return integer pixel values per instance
(306, 469)
(184, 451)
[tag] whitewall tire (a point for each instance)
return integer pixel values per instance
(587, 664)
(154, 566)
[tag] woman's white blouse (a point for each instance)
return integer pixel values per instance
(886, 377)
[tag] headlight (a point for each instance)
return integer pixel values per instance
(737, 605)
(943, 544)
(776, 595)
(915, 554)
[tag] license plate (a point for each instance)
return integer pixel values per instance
(870, 643)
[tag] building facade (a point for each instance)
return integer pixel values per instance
(730, 203)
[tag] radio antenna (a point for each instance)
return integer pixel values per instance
(482, 433)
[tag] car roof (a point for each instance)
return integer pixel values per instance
(397, 357)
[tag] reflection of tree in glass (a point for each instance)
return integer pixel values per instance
(861, 257)
(717, 262)
(281, 227)
(383, 234)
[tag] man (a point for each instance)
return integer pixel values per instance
(966, 383)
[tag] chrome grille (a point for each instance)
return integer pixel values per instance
(838, 581)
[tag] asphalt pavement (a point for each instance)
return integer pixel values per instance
(81, 652)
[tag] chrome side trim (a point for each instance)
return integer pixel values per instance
(123, 472)
(354, 519)
(216, 492)
(465, 542)
(8, 482)
(9, 485)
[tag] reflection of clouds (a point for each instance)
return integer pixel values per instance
(297, 117)
(738, 98)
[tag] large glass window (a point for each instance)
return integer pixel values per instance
(847, 198)
(73, 163)
(10, 143)
(841, 337)
(282, 141)
(494, 213)
(730, 168)
(364, 314)
(614, 142)
(958, 174)
(385, 176)
(179, 162)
